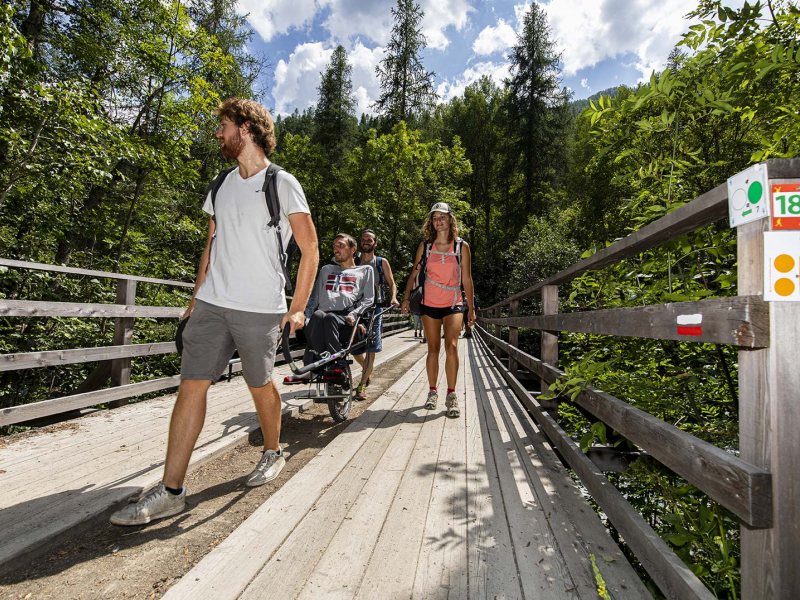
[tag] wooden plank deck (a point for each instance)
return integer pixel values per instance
(53, 481)
(407, 503)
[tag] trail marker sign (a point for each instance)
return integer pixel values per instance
(786, 206)
(782, 266)
(747, 195)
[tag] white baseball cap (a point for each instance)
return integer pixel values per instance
(442, 207)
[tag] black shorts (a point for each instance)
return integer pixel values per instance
(439, 313)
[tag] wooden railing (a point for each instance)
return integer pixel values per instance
(762, 486)
(118, 356)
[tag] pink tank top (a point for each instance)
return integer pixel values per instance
(442, 268)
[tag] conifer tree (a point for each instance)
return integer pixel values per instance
(406, 87)
(335, 113)
(537, 105)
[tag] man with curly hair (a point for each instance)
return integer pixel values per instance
(238, 302)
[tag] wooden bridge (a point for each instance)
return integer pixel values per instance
(408, 503)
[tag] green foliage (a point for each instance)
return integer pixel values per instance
(389, 185)
(545, 246)
(602, 590)
(106, 143)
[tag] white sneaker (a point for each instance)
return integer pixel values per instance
(451, 402)
(433, 398)
(267, 469)
(158, 503)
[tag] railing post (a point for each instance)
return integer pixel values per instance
(549, 344)
(123, 336)
(769, 420)
(498, 331)
(549, 340)
(513, 339)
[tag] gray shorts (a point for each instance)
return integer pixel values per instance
(214, 332)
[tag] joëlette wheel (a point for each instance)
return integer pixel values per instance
(340, 407)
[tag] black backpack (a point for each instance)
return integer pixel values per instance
(270, 189)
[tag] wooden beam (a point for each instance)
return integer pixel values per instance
(744, 489)
(20, 264)
(498, 331)
(549, 341)
(44, 408)
(673, 577)
(33, 308)
(36, 410)
(783, 168)
(123, 336)
(33, 360)
(739, 320)
(513, 337)
(769, 421)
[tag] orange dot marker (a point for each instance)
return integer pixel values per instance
(784, 263)
(784, 287)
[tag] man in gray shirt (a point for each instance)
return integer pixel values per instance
(343, 292)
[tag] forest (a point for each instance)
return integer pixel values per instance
(107, 144)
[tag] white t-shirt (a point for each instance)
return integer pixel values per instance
(244, 267)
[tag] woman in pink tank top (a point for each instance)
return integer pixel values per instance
(447, 270)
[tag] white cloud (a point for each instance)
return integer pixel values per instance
(273, 17)
(585, 84)
(589, 31)
(349, 19)
(441, 14)
(296, 81)
(497, 71)
(495, 39)
(365, 83)
(519, 13)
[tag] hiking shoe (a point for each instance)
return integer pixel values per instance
(267, 469)
(451, 402)
(361, 393)
(155, 504)
(433, 398)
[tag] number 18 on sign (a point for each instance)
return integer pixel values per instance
(786, 206)
(782, 266)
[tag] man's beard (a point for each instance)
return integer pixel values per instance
(367, 248)
(232, 149)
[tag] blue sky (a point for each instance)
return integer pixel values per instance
(604, 42)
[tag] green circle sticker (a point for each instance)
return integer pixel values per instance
(754, 192)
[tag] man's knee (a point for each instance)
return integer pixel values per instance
(194, 389)
(268, 389)
(316, 318)
(434, 347)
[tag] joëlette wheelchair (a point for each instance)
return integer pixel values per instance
(336, 389)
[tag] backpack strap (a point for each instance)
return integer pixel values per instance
(458, 244)
(379, 266)
(270, 190)
(213, 188)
